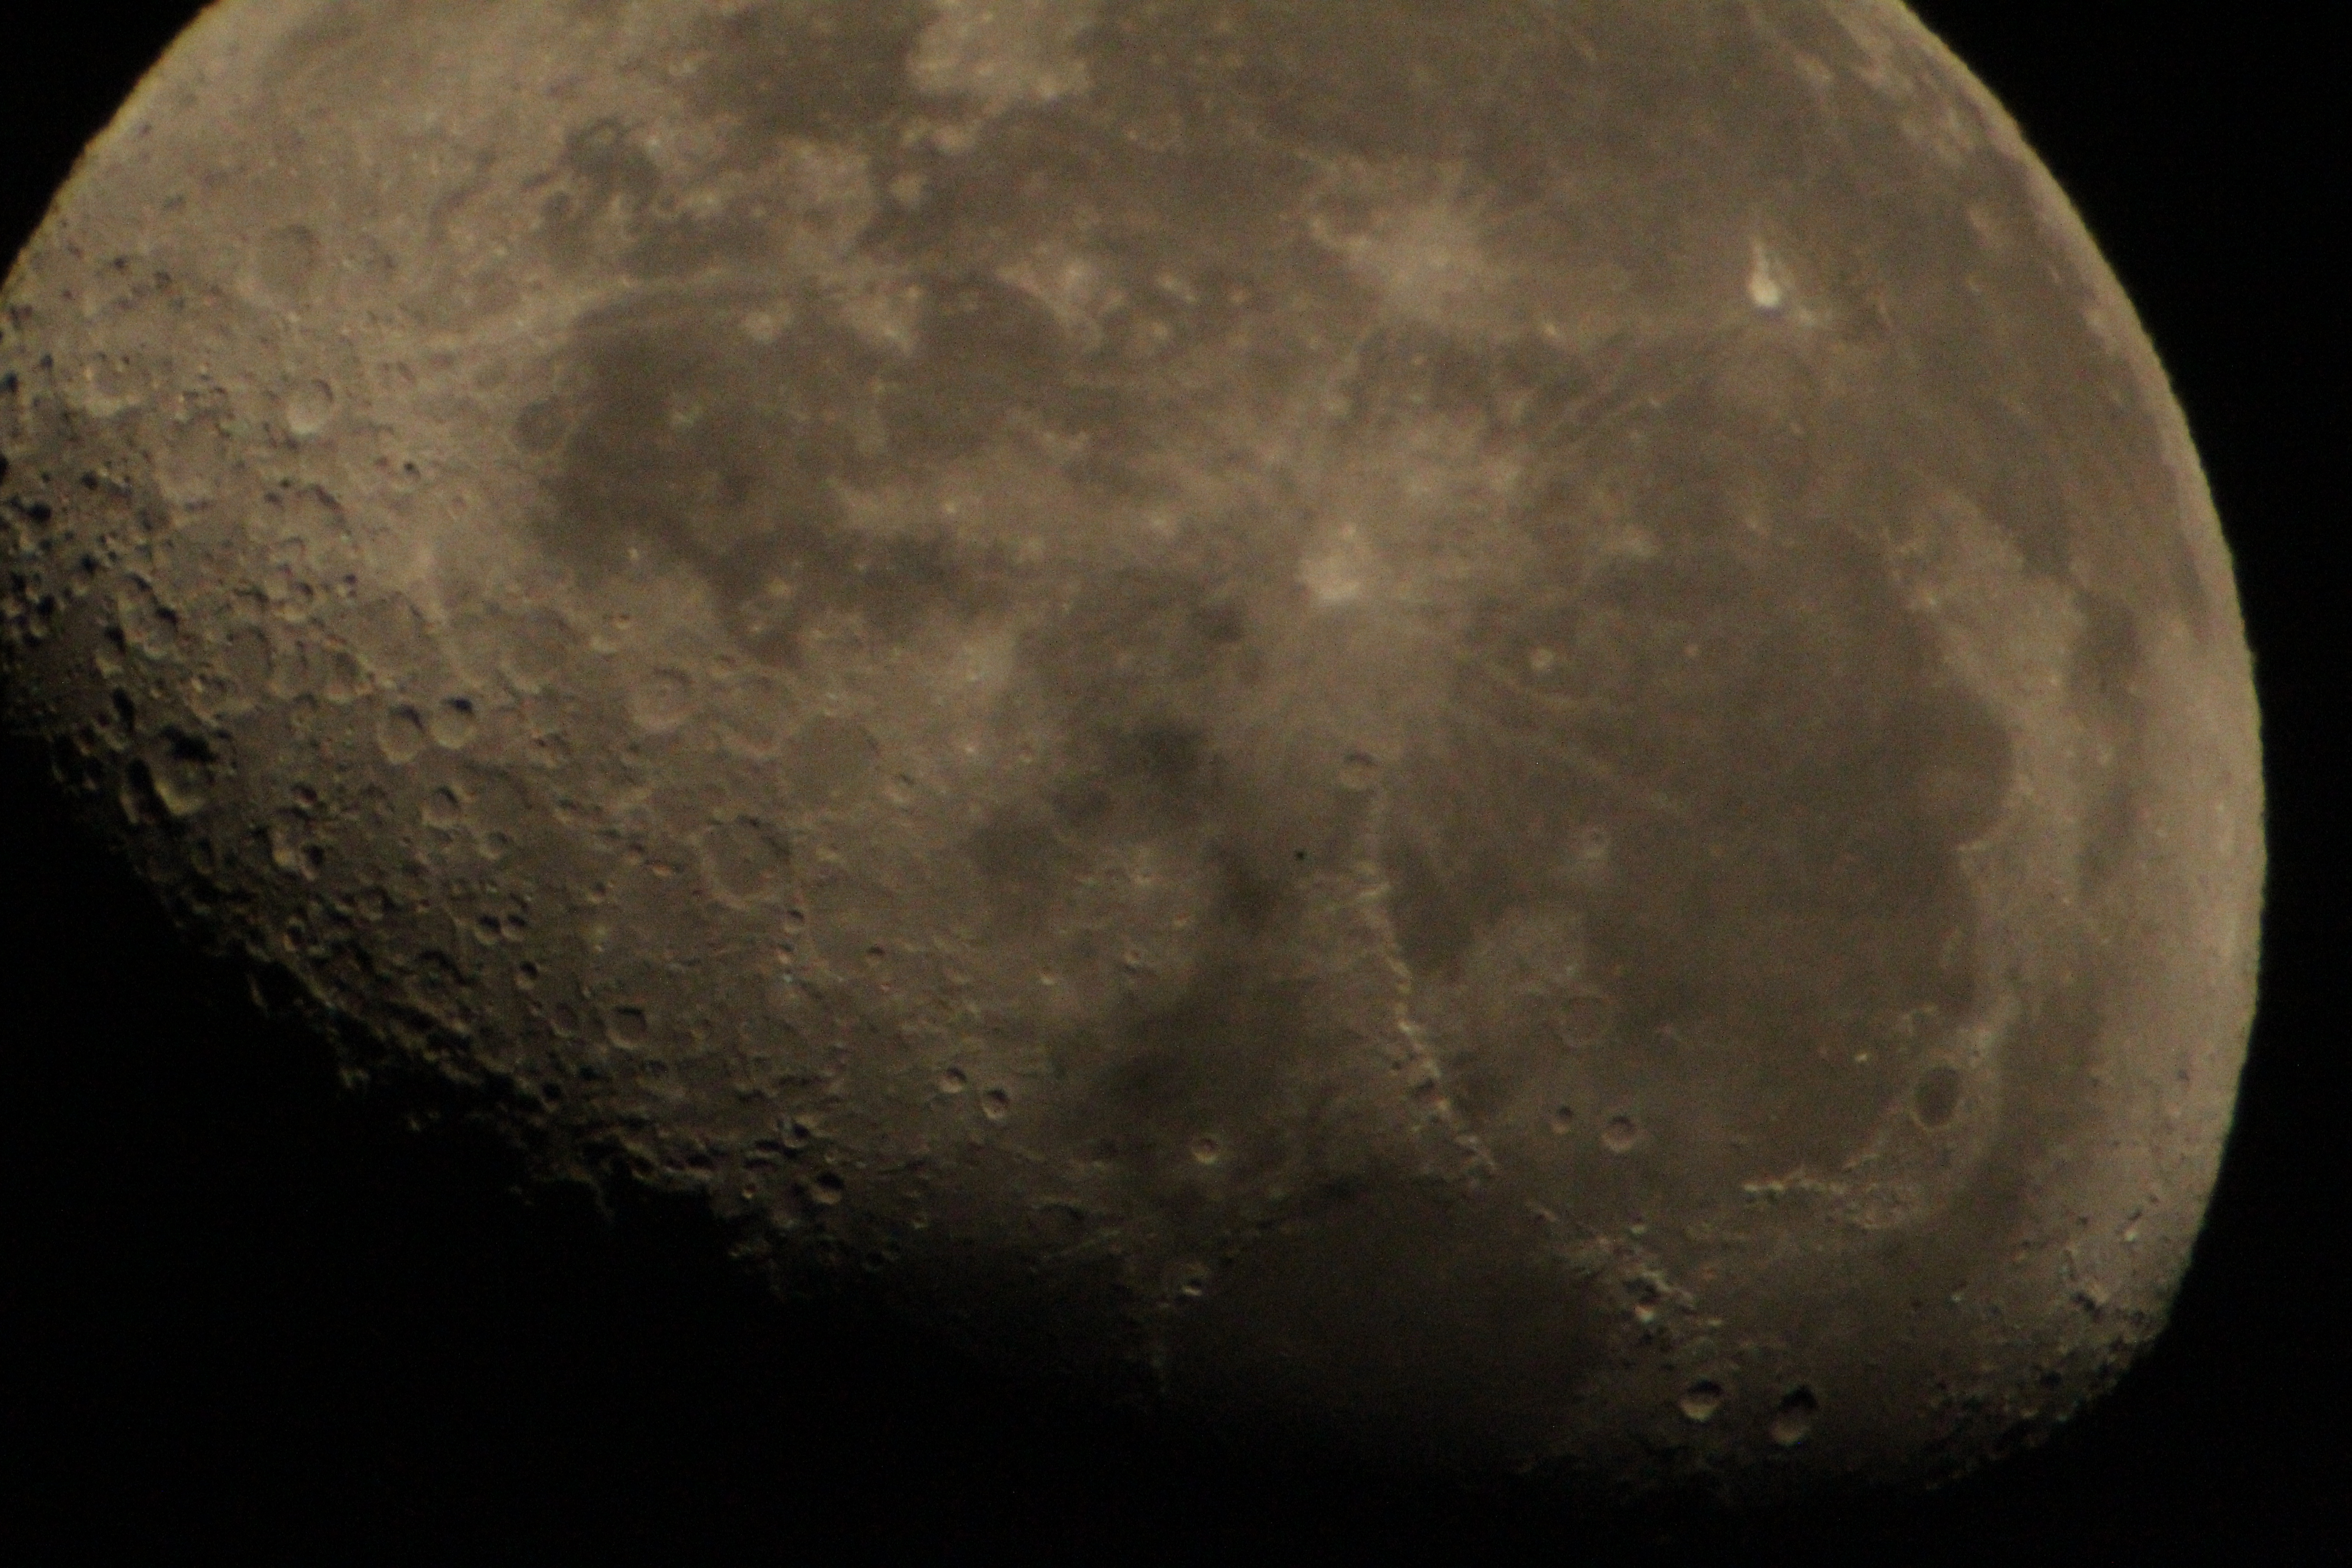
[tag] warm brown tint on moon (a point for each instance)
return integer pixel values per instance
(1512, 734)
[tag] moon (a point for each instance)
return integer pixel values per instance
(1509, 740)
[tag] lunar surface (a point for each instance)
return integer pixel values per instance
(1507, 738)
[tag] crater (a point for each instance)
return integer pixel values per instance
(688, 446)
(1935, 1099)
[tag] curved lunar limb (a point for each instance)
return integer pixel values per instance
(1508, 737)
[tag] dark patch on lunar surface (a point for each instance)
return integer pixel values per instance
(1317, 708)
(796, 68)
(724, 459)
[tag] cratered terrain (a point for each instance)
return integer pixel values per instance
(1506, 737)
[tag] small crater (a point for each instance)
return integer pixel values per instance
(629, 1026)
(1358, 773)
(180, 774)
(534, 650)
(996, 1105)
(1620, 1134)
(1792, 1423)
(1562, 1118)
(1937, 1098)
(282, 263)
(953, 1081)
(745, 861)
(1701, 1400)
(444, 809)
(660, 700)
(453, 723)
(309, 408)
(1192, 1280)
(231, 684)
(149, 627)
(1207, 1150)
(401, 736)
(342, 678)
(827, 1188)
(290, 850)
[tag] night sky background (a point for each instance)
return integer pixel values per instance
(240, 1312)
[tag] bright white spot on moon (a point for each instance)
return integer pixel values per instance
(1766, 291)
